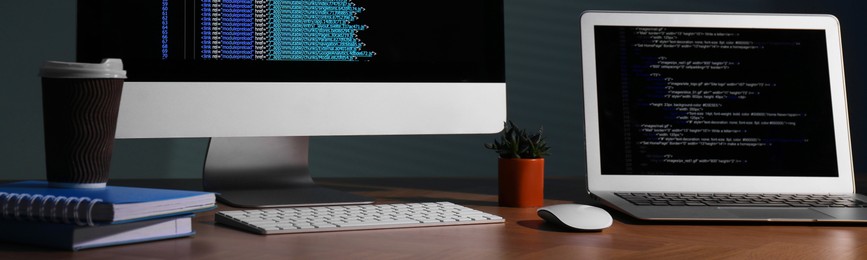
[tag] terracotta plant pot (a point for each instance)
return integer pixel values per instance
(521, 182)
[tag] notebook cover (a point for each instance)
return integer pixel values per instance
(72, 237)
(110, 196)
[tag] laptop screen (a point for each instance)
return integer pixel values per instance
(714, 102)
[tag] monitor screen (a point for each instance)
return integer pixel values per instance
(260, 76)
(714, 101)
(300, 41)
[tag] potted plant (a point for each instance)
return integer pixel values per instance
(521, 166)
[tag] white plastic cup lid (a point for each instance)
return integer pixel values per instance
(109, 68)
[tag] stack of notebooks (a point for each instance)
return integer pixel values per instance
(32, 212)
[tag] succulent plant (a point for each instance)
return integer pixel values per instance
(516, 143)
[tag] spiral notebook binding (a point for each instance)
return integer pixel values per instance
(22, 206)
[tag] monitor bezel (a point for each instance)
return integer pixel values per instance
(843, 183)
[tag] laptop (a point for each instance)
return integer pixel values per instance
(718, 116)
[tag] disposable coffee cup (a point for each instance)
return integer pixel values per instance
(79, 107)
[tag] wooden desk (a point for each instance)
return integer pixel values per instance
(523, 235)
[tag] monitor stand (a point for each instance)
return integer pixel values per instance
(261, 172)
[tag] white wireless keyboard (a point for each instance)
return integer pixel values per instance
(354, 217)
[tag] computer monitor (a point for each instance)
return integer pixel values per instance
(261, 76)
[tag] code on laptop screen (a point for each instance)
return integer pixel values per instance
(714, 101)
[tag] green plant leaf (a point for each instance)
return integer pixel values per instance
(515, 142)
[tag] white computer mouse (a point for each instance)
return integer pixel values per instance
(576, 216)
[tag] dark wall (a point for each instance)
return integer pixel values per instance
(543, 74)
(30, 32)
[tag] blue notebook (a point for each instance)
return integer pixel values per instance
(37, 201)
(72, 237)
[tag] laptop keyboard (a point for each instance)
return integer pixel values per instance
(742, 200)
